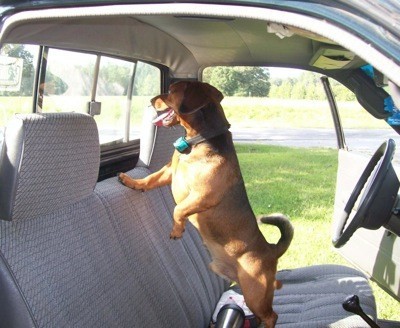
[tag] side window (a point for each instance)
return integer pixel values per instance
(17, 75)
(147, 84)
(113, 87)
(68, 80)
(116, 90)
(124, 90)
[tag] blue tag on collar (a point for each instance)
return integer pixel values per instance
(181, 144)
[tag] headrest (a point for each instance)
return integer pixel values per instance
(156, 143)
(47, 161)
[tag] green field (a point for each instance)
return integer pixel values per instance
(289, 113)
(300, 184)
(113, 108)
(240, 111)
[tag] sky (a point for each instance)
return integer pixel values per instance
(277, 72)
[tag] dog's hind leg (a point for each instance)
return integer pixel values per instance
(258, 288)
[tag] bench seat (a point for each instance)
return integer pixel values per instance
(75, 252)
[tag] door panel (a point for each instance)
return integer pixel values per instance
(375, 252)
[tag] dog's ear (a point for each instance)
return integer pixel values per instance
(198, 95)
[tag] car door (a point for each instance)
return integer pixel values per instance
(375, 252)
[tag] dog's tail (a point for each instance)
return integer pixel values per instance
(284, 226)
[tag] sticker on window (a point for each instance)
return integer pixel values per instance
(10, 73)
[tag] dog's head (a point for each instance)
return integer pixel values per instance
(184, 100)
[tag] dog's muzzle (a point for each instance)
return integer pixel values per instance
(165, 118)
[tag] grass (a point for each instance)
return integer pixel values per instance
(112, 108)
(266, 112)
(301, 184)
(269, 112)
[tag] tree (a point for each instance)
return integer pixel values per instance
(147, 80)
(54, 85)
(223, 78)
(252, 82)
(114, 79)
(239, 81)
(308, 86)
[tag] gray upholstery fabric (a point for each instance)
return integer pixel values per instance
(66, 268)
(72, 270)
(178, 269)
(47, 161)
(104, 260)
(163, 147)
(313, 296)
(147, 136)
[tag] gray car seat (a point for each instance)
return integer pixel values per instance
(73, 254)
(76, 253)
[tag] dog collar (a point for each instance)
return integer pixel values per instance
(182, 144)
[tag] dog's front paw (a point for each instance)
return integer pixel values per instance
(126, 180)
(123, 178)
(120, 177)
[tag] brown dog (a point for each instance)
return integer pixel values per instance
(208, 189)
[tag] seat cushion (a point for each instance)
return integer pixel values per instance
(71, 271)
(184, 289)
(313, 297)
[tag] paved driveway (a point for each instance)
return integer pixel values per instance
(364, 140)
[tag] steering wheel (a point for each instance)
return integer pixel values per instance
(378, 199)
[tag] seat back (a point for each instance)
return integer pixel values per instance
(61, 262)
(156, 143)
(181, 288)
(47, 162)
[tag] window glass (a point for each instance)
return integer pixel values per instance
(112, 92)
(17, 75)
(68, 86)
(147, 84)
(123, 100)
(68, 82)
(280, 103)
